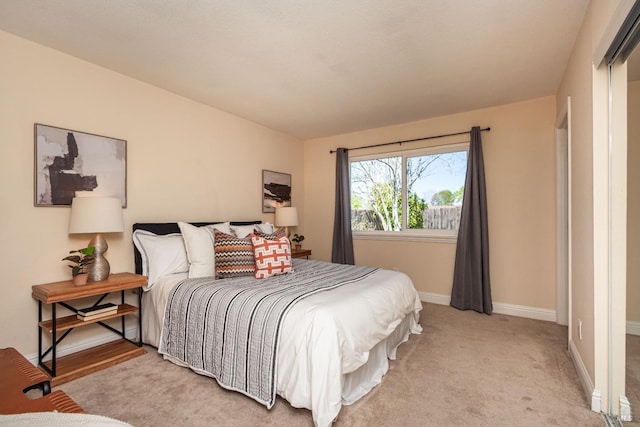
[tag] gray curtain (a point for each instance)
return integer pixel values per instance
(471, 285)
(342, 251)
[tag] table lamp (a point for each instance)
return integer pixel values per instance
(96, 215)
(286, 217)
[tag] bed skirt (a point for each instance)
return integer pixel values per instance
(359, 382)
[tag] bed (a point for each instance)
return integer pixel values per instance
(332, 338)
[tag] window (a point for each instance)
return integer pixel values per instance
(417, 193)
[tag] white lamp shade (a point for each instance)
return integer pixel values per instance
(96, 215)
(286, 217)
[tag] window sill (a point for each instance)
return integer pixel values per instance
(405, 236)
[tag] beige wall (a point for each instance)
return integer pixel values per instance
(633, 203)
(519, 155)
(185, 161)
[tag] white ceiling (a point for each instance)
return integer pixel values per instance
(319, 67)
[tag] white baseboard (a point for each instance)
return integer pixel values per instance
(633, 328)
(625, 409)
(498, 307)
(62, 350)
(434, 298)
(585, 379)
(596, 401)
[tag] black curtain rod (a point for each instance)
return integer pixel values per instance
(409, 140)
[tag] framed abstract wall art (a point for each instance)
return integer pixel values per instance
(67, 161)
(276, 190)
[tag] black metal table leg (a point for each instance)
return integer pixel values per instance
(39, 333)
(54, 338)
(139, 317)
(122, 318)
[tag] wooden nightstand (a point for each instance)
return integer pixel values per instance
(301, 253)
(75, 365)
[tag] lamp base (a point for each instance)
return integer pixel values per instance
(99, 269)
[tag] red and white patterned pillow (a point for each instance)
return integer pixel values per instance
(271, 256)
(234, 256)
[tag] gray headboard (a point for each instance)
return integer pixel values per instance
(162, 228)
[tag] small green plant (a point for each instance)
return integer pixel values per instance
(297, 238)
(80, 259)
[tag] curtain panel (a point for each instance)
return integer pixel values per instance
(342, 250)
(471, 281)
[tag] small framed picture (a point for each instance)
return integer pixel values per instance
(276, 190)
(67, 161)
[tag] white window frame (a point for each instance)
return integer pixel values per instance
(407, 235)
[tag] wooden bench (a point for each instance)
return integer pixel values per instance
(18, 376)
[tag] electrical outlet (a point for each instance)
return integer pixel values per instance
(580, 329)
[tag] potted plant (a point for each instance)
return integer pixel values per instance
(80, 259)
(297, 239)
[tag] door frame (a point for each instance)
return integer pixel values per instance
(563, 217)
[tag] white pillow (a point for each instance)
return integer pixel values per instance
(222, 226)
(265, 227)
(161, 255)
(199, 244)
(242, 231)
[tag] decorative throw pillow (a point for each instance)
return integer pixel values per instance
(280, 232)
(234, 256)
(265, 227)
(161, 255)
(272, 256)
(241, 230)
(199, 244)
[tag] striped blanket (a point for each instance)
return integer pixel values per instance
(230, 328)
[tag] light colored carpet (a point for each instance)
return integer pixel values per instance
(465, 369)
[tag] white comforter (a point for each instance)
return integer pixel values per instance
(340, 331)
